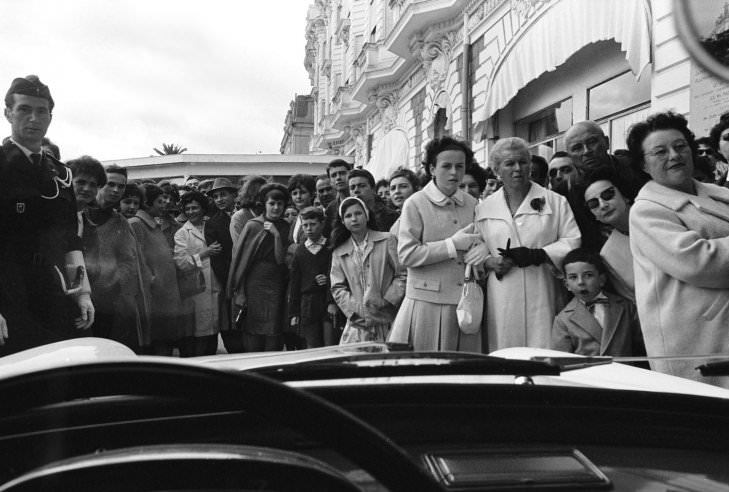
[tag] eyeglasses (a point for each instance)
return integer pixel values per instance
(589, 144)
(704, 152)
(661, 153)
(605, 196)
(562, 170)
(725, 137)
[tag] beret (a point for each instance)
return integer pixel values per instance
(30, 86)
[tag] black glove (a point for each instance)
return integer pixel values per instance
(524, 257)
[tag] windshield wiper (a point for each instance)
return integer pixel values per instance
(406, 364)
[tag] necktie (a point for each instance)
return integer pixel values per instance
(36, 158)
(591, 304)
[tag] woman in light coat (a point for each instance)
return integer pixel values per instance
(436, 228)
(367, 280)
(679, 235)
(527, 230)
(192, 254)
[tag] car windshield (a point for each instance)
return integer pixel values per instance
(254, 186)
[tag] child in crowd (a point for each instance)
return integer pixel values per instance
(368, 282)
(310, 304)
(594, 322)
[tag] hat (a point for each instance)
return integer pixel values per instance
(222, 183)
(30, 86)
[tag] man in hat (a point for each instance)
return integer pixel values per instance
(44, 289)
(217, 230)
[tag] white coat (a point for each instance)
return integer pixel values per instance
(522, 305)
(189, 242)
(680, 245)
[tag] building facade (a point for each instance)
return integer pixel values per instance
(299, 126)
(389, 75)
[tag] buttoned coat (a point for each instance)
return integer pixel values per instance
(165, 303)
(189, 243)
(680, 245)
(429, 218)
(385, 281)
(522, 305)
(427, 318)
(576, 330)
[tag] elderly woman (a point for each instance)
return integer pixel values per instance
(607, 198)
(258, 273)
(436, 228)
(192, 256)
(679, 235)
(527, 231)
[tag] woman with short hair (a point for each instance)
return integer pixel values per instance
(192, 256)
(526, 231)
(165, 303)
(679, 235)
(258, 273)
(436, 228)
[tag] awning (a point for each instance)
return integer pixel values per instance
(391, 152)
(559, 32)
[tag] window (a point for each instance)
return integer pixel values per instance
(617, 95)
(546, 123)
(417, 105)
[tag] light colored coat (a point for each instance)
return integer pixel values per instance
(189, 243)
(385, 280)
(576, 330)
(680, 245)
(522, 305)
(428, 219)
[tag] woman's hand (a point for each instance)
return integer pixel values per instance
(464, 238)
(500, 265)
(213, 249)
(477, 254)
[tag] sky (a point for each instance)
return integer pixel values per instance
(214, 76)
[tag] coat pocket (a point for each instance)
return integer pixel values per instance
(426, 284)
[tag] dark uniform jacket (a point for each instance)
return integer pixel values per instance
(39, 226)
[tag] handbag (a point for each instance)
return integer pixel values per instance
(470, 306)
(190, 282)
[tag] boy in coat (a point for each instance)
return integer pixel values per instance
(310, 303)
(593, 322)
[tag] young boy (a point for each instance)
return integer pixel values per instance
(594, 322)
(310, 302)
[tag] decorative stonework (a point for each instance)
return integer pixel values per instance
(386, 103)
(436, 56)
(527, 8)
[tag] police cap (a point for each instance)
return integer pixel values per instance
(29, 86)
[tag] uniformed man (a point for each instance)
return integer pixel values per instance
(44, 290)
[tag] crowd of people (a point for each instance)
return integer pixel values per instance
(592, 252)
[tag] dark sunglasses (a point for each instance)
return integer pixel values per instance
(725, 137)
(563, 170)
(704, 151)
(606, 196)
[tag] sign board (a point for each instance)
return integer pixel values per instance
(709, 100)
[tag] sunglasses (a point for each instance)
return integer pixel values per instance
(562, 170)
(704, 152)
(605, 196)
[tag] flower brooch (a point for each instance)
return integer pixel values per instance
(537, 204)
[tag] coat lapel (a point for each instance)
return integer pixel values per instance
(585, 321)
(616, 312)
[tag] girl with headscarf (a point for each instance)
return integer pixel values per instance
(367, 280)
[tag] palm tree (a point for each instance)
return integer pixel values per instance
(169, 149)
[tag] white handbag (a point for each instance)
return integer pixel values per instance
(470, 306)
